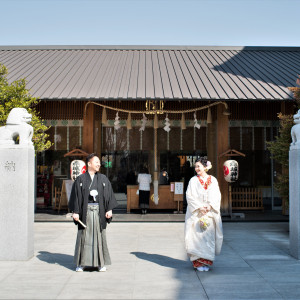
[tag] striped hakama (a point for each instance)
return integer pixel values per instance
(91, 245)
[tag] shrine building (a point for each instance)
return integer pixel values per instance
(160, 107)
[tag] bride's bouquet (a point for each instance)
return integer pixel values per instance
(204, 222)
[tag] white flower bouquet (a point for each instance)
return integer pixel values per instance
(204, 222)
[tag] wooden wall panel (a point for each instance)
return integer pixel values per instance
(134, 139)
(73, 110)
(74, 138)
(108, 139)
(201, 139)
(162, 139)
(188, 139)
(174, 139)
(148, 139)
(88, 129)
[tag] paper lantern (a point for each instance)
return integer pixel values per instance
(231, 170)
(77, 168)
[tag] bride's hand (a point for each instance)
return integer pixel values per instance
(203, 210)
(207, 208)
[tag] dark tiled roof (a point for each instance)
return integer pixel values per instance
(154, 72)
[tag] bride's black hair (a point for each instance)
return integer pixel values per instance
(202, 160)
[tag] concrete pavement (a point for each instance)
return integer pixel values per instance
(149, 262)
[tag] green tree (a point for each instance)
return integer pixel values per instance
(14, 95)
(280, 147)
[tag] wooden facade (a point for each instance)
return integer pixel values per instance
(250, 110)
(217, 133)
(252, 81)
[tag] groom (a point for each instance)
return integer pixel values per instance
(91, 201)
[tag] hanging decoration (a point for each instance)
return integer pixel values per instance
(144, 122)
(128, 122)
(159, 110)
(183, 126)
(167, 124)
(104, 117)
(154, 107)
(196, 124)
(209, 119)
(117, 122)
(155, 123)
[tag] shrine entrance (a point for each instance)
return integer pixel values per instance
(165, 140)
(124, 150)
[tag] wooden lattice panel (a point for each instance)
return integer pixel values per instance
(246, 199)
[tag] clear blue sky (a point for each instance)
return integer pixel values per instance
(150, 22)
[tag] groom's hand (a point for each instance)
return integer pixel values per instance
(75, 217)
(108, 214)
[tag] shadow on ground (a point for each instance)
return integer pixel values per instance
(161, 260)
(63, 260)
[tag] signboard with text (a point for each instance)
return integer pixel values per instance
(178, 191)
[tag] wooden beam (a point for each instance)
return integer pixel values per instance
(88, 129)
(77, 152)
(231, 152)
(222, 146)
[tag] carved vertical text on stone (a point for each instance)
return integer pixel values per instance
(10, 166)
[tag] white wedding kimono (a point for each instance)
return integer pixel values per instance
(202, 243)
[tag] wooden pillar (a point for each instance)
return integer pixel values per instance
(282, 106)
(211, 146)
(222, 146)
(88, 129)
(98, 137)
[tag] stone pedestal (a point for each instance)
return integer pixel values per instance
(16, 203)
(294, 201)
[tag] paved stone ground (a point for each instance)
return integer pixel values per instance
(49, 215)
(149, 262)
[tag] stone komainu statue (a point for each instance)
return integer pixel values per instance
(17, 126)
(295, 131)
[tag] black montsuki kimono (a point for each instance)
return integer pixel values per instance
(79, 198)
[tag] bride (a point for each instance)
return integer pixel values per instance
(203, 224)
